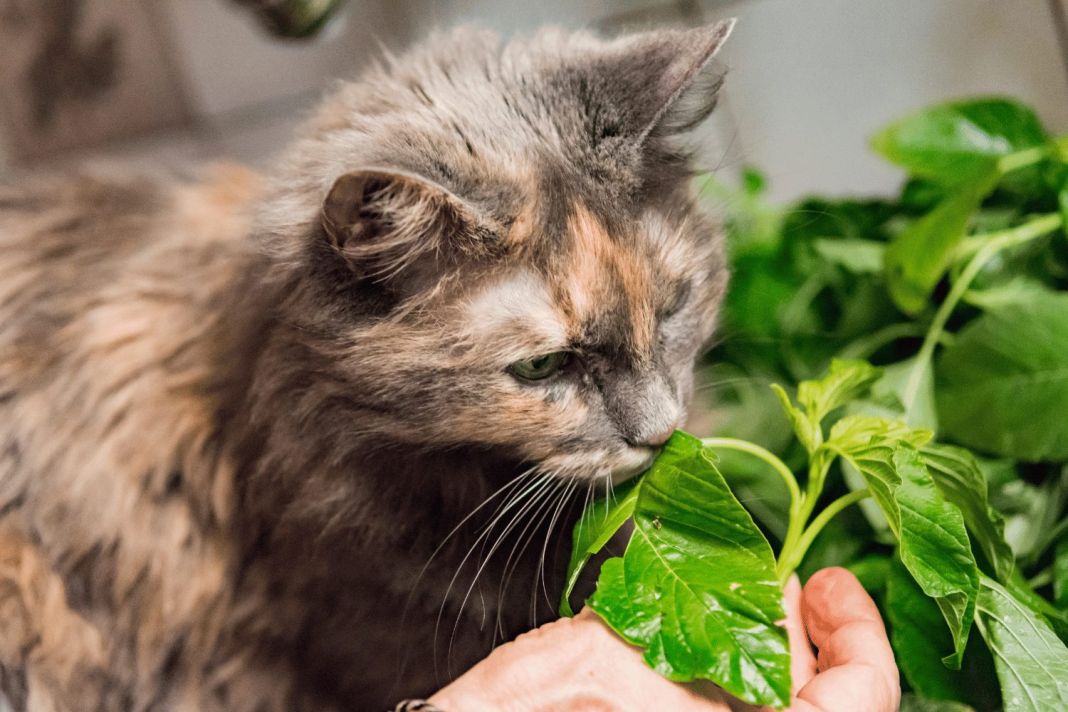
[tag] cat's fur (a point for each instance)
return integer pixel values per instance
(237, 420)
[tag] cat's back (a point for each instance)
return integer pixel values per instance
(87, 253)
(111, 289)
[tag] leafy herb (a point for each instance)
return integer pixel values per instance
(921, 344)
(696, 587)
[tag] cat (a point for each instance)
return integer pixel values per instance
(284, 443)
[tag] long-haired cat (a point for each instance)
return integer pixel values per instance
(243, 426)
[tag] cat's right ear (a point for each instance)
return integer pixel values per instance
(381, 222)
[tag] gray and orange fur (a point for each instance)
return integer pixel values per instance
(243, 422)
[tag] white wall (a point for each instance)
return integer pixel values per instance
(230, 64)
(812, 80)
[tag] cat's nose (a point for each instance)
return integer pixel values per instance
(658, 439)
(655, 439)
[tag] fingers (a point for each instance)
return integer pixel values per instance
(832, 598)
(856, 664)
(848, 688)
(802, 659)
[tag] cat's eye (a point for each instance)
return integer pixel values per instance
(538, 368)
(678, 300)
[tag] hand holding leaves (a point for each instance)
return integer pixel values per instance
(698, 587)
(958, 287)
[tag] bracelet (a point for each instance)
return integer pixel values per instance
(415, 706)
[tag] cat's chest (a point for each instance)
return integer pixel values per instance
(384, 623)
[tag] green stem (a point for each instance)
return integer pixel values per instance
(865, 346)
(819, 464)
(1022, 159)
(1051, 537)
(791, 557)
(995, 243)
(1062, 146)
(1042, 578)
(762, 454)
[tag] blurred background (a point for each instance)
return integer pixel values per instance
(178, 82)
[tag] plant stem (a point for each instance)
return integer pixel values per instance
(995, 243)
(1061, 143)
(1042, 578)
(791, 556)
(1022, 159)
(1051, 537)
(865, 346)
(762, 454)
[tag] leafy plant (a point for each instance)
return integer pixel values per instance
(923, 347)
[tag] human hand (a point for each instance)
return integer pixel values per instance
(855, 669)
(580, 664)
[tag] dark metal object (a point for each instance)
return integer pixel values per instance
(292, 19)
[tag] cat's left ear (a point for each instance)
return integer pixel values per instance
(381, 222)
(679, 82)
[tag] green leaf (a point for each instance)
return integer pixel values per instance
(959, 140)
(935, 549)
(1005, 377)
(1017, 290)
(872, 571)
(809, 433)
(854, 254)
(923, 413)
(856, 433)
(921, 254)
(1031, 661)
(1055, 617)
(920, 638)
(957, 474)
(916, 703)
(844, 381)
(1031, 511)
(1062, 203)
(696, 587)
(597, 525)
(933, 541)
(1060, 574)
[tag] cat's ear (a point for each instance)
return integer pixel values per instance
(381, 221)
(674, 80)
(689, 87)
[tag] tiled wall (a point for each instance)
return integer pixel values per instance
(809, 81)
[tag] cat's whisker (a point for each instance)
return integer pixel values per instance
(537, 500)
(532, 490)
(544, 481)
(437, 550)
(730, 382)
(543, 513)
(514, 500)
(512, 555)
(564, 497)
(510, 565)
(506, 487)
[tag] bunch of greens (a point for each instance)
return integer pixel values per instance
(928, 340)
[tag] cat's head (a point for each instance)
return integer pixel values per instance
(496, 246)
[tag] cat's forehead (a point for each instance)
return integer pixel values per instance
(597, 283)
(604, 280)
